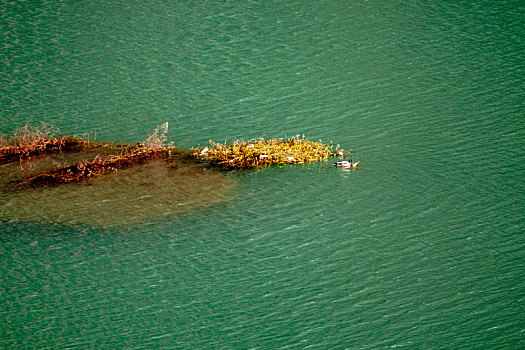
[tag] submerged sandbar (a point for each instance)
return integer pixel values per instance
(129, 196)
(73, 180)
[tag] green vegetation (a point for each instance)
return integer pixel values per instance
(261, 153)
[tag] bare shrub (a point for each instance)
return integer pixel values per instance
(158, 140)
(3, 142)
(30, 137)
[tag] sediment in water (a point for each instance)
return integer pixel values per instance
(99, 183)
(85, 169)
(160, 186)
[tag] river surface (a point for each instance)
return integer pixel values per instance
(423, 247)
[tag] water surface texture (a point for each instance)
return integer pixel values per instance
(422, 248)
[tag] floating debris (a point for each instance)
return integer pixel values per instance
(260, 153)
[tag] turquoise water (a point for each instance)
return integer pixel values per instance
(423, 247)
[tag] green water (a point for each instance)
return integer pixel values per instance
(422, 248)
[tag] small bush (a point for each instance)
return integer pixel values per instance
(158, 140)
(33, 140)
(29, 137)
(29, 140)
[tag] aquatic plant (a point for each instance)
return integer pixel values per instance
(261, 153)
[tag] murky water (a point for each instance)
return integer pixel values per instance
(141, 193)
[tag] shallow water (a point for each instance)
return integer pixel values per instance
(422, 247)
(138, 194)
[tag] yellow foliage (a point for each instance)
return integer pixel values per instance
(261, 153)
